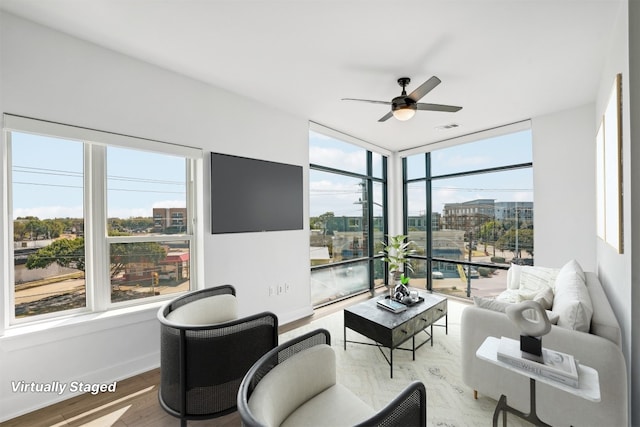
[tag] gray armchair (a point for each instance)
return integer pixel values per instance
(295, 384)
(206, 351)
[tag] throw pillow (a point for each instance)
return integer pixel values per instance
(513, 276)
(490, 304)
(535, 279)
(501, 306)
(545, 298)
(572, 302)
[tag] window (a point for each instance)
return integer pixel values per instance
(98, 220)
(347, 186)
(469, 212)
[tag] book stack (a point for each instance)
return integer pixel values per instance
(555, 365)
(391, 305)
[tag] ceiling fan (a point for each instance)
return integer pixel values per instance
(404, 107)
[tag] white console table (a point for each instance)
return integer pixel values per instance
(588, 380)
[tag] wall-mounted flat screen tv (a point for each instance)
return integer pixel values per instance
(249, 195)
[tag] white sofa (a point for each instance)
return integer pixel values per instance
(597, 346)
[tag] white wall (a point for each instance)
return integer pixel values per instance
(634, 181)
(616, 271)
(563, 185)
(47, 75)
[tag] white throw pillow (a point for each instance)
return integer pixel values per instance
(206, 311)
(572, 302)
(535, 279)
(490, 304)
(513, 276)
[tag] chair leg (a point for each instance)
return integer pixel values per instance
(183, 423)
(475, 394)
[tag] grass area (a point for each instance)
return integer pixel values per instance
(49, 280)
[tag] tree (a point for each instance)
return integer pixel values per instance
(70, 253)
(135, 252)
(64, 252)
(508, 241)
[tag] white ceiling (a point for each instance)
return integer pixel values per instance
(502, 60)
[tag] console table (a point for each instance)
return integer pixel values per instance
(389, 329)
(588, 377)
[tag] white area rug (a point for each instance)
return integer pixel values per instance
(364, 370)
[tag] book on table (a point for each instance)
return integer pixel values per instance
(391, 305)
(555, 365)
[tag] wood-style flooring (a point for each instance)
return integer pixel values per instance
(135, 401)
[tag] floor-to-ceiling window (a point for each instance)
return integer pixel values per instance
(469, 211)
(347, 210)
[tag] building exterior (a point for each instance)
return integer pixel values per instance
(169, 220)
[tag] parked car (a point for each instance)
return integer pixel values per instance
(437, 275)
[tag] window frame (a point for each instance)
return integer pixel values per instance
(97, 240)
(369, 177)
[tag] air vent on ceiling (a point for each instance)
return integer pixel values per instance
(449, 126)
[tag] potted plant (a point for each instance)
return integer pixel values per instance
(396, 251)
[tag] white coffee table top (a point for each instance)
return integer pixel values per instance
(588, 377)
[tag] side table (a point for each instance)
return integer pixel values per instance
(589, 384)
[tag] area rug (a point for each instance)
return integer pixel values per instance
(364, 370)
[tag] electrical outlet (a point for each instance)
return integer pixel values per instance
(272, 291)
(280, 289)
(286, 287)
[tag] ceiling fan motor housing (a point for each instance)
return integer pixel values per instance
(403, 102)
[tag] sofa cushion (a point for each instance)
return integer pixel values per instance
(292, 383)
(337, 406)
(206, 311)
(501, 306)
(572, 302)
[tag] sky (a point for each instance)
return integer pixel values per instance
(47, 176)
(338, 194)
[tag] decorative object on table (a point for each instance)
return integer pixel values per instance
(531, 329)
(396, 252)
(401, 290)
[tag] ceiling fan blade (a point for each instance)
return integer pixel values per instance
(438, 107)
(386, 117)
(424, 88)
(367, 100)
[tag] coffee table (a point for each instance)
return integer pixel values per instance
(389, 329)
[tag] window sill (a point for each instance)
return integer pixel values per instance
(20, 337)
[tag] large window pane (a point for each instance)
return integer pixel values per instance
(481, 205)
(338, 211)
(327, 151)
(146, 192)
(487, 216)
(330, 284)
(144, 269)
(48, 224)
(146, 201)
(416, 166)
(504, 150)
(347, 196)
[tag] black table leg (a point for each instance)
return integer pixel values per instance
(532, 417)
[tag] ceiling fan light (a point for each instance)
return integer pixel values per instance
(404, 114)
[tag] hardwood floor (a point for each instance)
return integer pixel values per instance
(135, 401)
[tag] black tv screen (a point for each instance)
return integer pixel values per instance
(249, 195)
